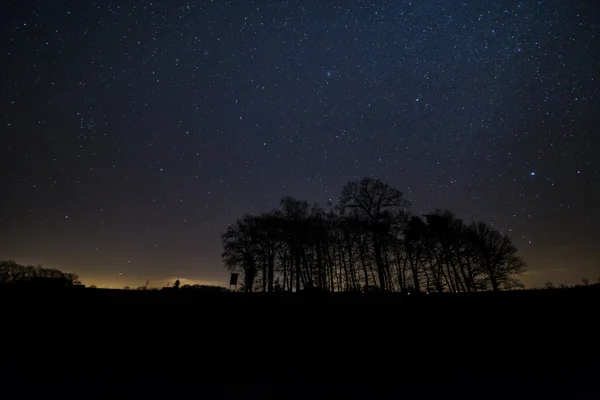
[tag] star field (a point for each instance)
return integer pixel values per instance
(133, 134)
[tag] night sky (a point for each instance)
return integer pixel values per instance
(132, 135)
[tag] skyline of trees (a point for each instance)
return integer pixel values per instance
(13, 273)
(368, 241)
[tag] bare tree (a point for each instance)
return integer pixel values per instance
(268, 238)
(239, 249)
(497, 256)
(375, 203)
(295, 214)
(585, 281)
(13, 273)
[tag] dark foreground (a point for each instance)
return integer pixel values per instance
(529, 344)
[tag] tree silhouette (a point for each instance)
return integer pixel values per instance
(15, 274)
(295, 216)
(585, 281)
(368, 242)
(204, 288)
(375, 204)
(268, 235)
(239, 249)
(176, 284)
(497, 256)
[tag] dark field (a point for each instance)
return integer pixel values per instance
(526, 344)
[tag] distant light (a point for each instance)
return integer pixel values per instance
(66, 217)
(532, 174)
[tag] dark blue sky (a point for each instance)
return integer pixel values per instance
(133, 134)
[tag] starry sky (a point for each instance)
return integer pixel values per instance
(134, 132)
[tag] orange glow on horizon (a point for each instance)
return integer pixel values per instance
(104, 283)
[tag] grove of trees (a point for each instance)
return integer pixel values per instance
(13, 273)
(369, 241)
(204, 288)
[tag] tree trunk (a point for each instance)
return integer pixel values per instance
(379, 263)
(271, 272)
(362, 261)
